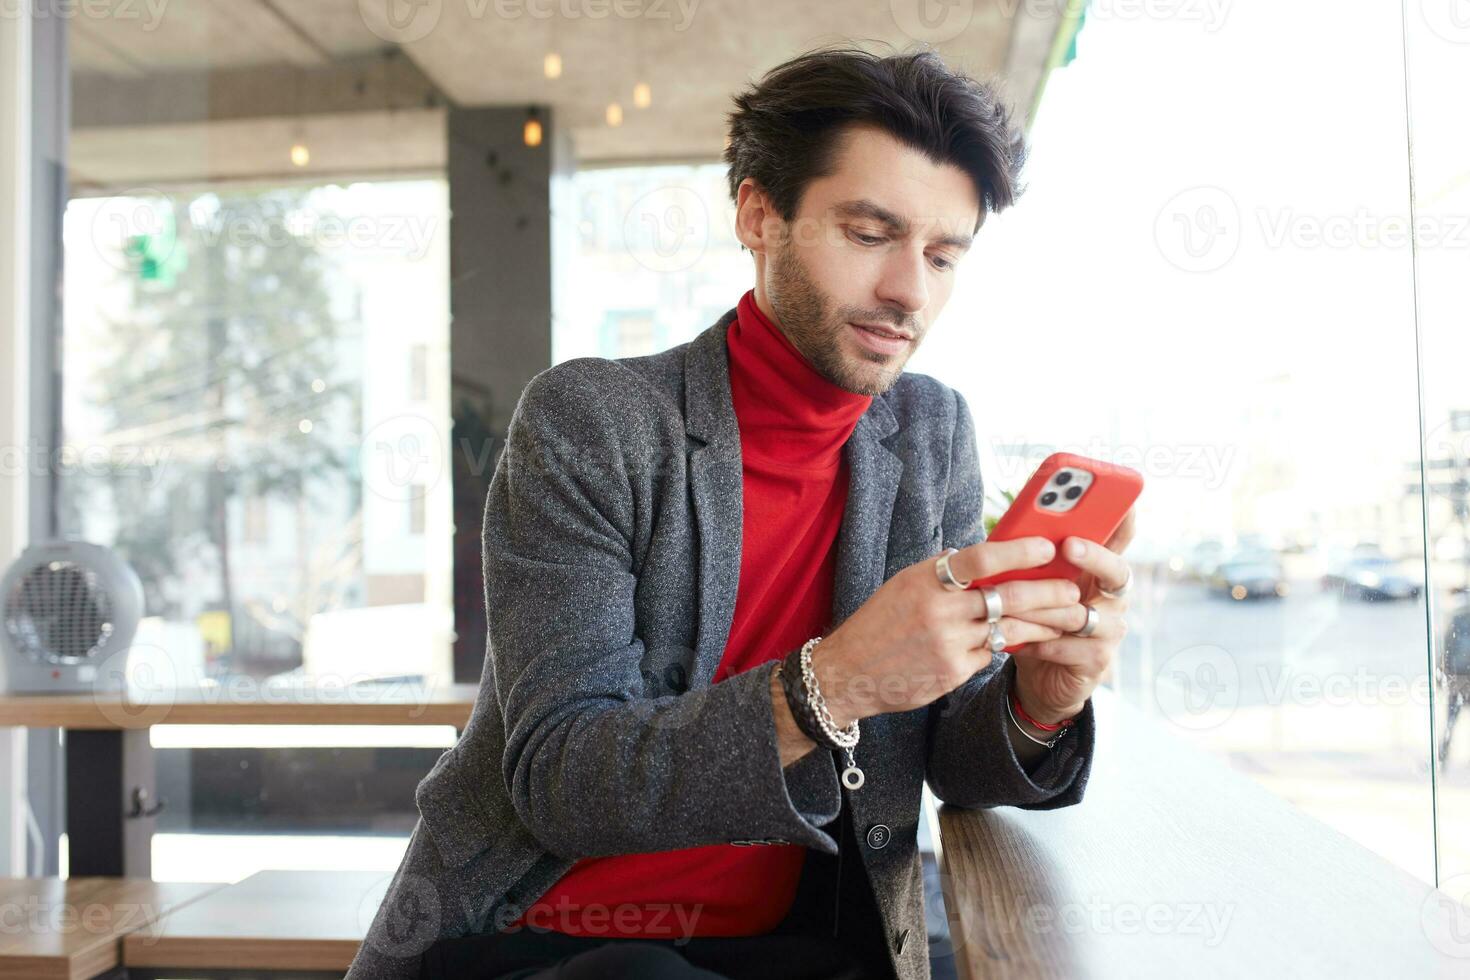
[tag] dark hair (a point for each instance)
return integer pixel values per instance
(784, 130)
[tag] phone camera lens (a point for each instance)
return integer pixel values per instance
(1048, 498)
(1063, 478)
(1073, 493)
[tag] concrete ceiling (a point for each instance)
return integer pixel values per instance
(135, 72)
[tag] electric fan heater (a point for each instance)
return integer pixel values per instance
(71, 610)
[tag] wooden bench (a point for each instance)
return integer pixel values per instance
(72, 929)
(296, 921)
(1175, 865)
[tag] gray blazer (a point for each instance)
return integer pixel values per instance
(611, 551)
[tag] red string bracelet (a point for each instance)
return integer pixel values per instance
(1016, 704)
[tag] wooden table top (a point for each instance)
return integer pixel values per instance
(1175, 865)
(248, 702)
(71, 929)
(272, 920)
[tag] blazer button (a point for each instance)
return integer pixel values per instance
(878, 836)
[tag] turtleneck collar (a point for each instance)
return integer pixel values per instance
(788, 414)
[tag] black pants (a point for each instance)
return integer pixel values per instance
(813, 942)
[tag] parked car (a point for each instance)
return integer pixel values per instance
(1373, 579)
(1249, 578)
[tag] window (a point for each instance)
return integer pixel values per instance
(229, 354)
(255, 397)
(1211, 282)
(656, 260)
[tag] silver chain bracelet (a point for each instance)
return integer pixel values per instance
(846, 738)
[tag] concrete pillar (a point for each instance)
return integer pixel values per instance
(500, 266)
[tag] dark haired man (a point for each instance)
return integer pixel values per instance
(729, 639)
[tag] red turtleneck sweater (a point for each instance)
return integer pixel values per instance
(793, 424)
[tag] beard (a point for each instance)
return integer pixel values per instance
(820, 331)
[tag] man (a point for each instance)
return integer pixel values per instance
(634, 794)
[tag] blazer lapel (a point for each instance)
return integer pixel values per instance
(862, 542)
(716, 485)
(717, 489)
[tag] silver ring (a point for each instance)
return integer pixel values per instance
(1122, 589)
(993, 606)
(997, 638)
(1090, 627)
(946, 577)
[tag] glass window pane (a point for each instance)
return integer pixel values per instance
(1207, 280)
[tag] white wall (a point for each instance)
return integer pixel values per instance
(15, 128)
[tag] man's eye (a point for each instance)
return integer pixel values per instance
(866, 239)
(944, 263)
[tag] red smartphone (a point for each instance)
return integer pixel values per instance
(1068, 496)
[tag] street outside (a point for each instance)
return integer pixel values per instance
(1323, 700)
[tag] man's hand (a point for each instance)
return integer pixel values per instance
(1055, 677)
(914, 640)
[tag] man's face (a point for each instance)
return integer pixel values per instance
(875, 243)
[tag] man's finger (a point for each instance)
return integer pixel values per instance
(1123, 536)
(984, 559)
(1108, 569)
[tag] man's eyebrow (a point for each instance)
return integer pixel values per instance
(864, 208)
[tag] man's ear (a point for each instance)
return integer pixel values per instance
(754, 216)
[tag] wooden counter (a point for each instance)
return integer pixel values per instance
(1175, 865)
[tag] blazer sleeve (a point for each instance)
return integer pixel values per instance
(969, 759)
(593, 766)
